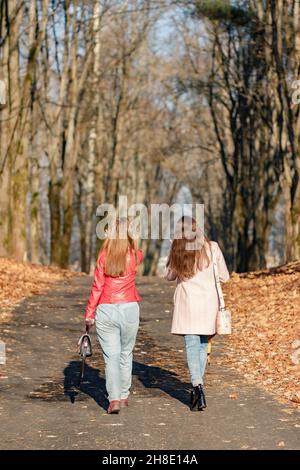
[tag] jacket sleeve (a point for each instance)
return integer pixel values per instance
(140, 256)
(222, 268)
(96, 291)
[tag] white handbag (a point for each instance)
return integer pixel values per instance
(223, 322)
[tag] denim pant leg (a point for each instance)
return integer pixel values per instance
(192, 346)
(203, 354)
(129, 321)
(109, 336)
(196, 351)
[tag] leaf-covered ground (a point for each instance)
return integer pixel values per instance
(266, 319)
(265, 344)
(21, 280)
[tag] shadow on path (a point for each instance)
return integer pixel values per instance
(161, 379)
(150, 377)
(92, 384)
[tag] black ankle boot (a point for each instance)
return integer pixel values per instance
(202, 399)
(195, 398)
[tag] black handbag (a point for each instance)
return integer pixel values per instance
(84, 350)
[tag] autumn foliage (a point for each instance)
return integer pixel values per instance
(266, 320)
(20, 280)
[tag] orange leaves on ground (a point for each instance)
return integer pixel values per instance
(21, 280)
(266, 320)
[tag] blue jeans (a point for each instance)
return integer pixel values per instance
(196, 353)
(116, 327)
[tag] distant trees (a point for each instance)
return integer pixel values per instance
(252, 50)
(81, 124)
(92, 110)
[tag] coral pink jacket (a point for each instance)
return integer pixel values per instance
(113, 290)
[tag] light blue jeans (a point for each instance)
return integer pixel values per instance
(116, 327)
(196, 353)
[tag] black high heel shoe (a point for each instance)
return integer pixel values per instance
(202, 399)
(194, 399)
(198, 401)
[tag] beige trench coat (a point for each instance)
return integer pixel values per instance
(196, 300)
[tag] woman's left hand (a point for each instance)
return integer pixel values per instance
(89, 322)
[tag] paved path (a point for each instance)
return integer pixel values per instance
(40, 407)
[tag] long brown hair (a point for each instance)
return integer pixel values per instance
(183, 262)
(117, 247)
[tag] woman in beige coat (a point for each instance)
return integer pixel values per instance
(196, 300)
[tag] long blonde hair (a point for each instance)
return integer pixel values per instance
(117, 247)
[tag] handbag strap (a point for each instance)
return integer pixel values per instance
(217, 278)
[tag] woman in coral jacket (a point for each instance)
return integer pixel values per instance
(113, 303)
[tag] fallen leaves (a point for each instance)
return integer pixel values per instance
(265, 344)
(296, 398)
(20, 280)
(281, 444)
